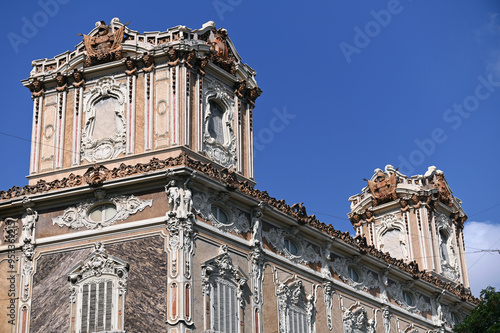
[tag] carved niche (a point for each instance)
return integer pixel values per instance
(95, 214)
(104, 136)
(391, 234)
(218, 135)
(205, 204)
(279, 238)
(447, 254)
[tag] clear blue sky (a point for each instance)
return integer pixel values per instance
(364, 84)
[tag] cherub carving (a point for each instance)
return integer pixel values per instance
(404, 205)
(190, 58)
(369, 216)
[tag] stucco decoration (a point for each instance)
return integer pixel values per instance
(296, 309)
(104, 135)
(219, 142)
(305, 250)
(355, 320)
(366, 281)
(397, 290)
(205, 202)
(79, 216)
(447, 254)
(328, 291)
(391, 234)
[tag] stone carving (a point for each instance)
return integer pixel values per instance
(62, 85)
(293, 302)
(386, 317)
(383, 187)
(257, 214)
(444, 194)
(190, 59)
(328, 292)
(79, 81)
(28, 249)
(396, 291)
(257, 264)
(105, 46)
(392, 235)
(173, 57)
(78, 217)
(367, 279)
(220, 54)
(180, 200)
(29, 219)
(356, 321)
(148, 61)
(447, 254)
(219, 142)
(222, 267)
(237, 220)
(96, 175)
(131, 67)
(306, 253)
(36, 88)
(98, 264)
(104, 135)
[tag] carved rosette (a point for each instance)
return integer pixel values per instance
(237, 220)
(104, 136)
(306, 253)
(78, 217)
(219, 142)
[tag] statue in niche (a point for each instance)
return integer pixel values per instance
(29, 219)
(61, 82)
(105, 46)
(78, 79)
(131, 68)
(383, 188)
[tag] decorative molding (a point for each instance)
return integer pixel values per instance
(306, 253)
(367, 279)
(221, 150)
(293, 301)
(396, 290)
(237, 220)
(447, 254)
(393, 222)
(355, 321)
(78, 217)
(96, 149)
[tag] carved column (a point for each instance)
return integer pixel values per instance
(61, 121)
(179, 224)
(148, 102)
(132, 82)
(77, 126)
(36, 134)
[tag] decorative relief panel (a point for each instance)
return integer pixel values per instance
(95, 214)
(279, 238)
(104, 135)
(391, 234)
(408, 298)
(447, 254)
(219, 142)
(365, 278)
(296, 309)
(355, 320)
(205, 204)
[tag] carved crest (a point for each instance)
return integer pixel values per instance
(105, 46)
(383, 188)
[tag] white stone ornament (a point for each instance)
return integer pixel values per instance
(105, 133)
(305, 250)
(78, 216)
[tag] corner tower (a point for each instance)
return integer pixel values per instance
(413, 219)
(122, 97)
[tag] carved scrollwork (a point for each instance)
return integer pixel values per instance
(355, 319)
(366, 278)
(237, 220)
(398, 290)
(294, 303)
(78, 217)
(305, 250)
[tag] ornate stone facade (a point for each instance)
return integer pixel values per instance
(152, 221)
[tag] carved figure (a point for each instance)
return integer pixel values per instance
(149, 65)
(96, 175)
(29, 219)
(252, 95)
(383, 188)
(104, 47)
(61, 82)
(78, 79)
(444, 194)
(404, 205)
(369, 216)
(241, 88)
(299, 210)
(173, 196)
(190, 58)
(131, 67)
(173, 57)
(36, 88)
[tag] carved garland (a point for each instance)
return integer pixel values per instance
(78, 217)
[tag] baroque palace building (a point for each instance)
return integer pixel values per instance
(141, 213)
